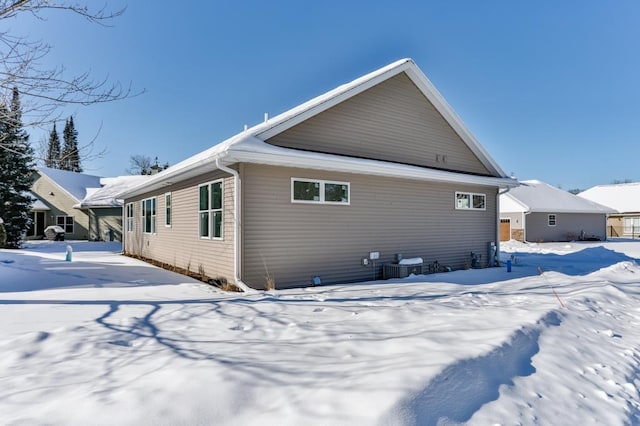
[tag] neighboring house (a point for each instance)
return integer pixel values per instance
(83, 205)
(104, 209)
(328, 191)
(536, 211)
(60, 191)
(624, 198)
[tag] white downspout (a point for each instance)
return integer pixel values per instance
(236, 227)
(498, 224)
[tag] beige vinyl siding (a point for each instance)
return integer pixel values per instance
(61, 204)
(568, 226)
(105, 224)
(392, 121)
(299, 241)
(615, 226)
(180, 244)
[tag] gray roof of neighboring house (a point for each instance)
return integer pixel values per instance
(538, 197)
(37, 202)
(91, 191)
(623, 197)
(106, 196)
(73, 183)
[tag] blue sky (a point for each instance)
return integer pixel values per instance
(551, 89)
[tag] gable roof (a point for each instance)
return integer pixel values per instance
(74, 184)
(538, 197)
(250, 145)
(623, 197)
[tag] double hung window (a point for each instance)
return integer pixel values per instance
(148, 208)
(210, 210)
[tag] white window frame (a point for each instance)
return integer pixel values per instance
(630, 224)
(65, 224)
(168, 210)
(552, 218)
(153, 215)
(471, 206)
(321, 197)
(211, 212)
(129, 217)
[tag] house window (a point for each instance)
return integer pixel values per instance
(148, 207)
(66, 223)
(319, 191)
(129, 217)
(210, 210)
(470, 201)
(631, 225)
(552, 220)
(167, 209)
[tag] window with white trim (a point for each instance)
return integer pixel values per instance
(210, 210)
(631, 225)
(148, 208)
(129, 217)
(319, 191)
(551, 221)
(66, 223)
(167, 209)
(471, 201)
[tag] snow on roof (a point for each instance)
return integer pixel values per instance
(623, 197)
(206, 160)
(74, 184)
(106, 196)
(536, 196)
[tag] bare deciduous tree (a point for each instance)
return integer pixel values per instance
(44, 89)
(143, 165)
(139, 165)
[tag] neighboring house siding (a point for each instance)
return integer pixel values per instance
(61, 204)
(516, 219)
(616, 225)
(180, 245)
(516, 223)
(105, 224)
(295, 242)
(391, 122)
(568, 226)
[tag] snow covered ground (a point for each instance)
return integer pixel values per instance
(106, 339)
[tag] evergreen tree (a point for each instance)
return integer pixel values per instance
(70, 159)
(16, 166)
(53, 153)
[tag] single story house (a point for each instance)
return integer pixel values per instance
(83, 205)
(328, 191)
(536, 211)
(624, 198)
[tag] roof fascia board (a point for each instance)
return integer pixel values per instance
(419, 79)
(342, 93)
(166, 179)
(443, 107)
(365, 167)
